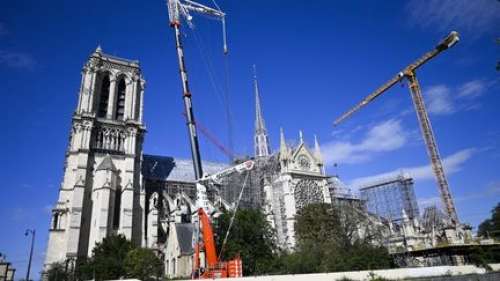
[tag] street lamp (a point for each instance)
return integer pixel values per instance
(28, 232)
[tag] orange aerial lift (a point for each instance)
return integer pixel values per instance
(214, 267)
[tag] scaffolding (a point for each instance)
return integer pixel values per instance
(264, 173)
(391, 198)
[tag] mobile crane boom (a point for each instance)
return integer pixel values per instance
(176, 9)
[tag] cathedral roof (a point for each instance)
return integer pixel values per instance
(106, 164)
(166, 168)
(185, 237)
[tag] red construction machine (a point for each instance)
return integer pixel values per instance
(214, 267)
(211, 266)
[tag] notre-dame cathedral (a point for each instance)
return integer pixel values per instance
(111, 187)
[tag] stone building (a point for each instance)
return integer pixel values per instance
(282, 182)
(111, 187)
(100, 193)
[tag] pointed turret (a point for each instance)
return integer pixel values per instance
(283, 148)
(319, 157)
(301, 137)
(261, 138)
(317, 150)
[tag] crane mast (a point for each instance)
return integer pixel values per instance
(432, 150)
(409, 73)
(176, 9)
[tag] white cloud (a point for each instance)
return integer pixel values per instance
(445, 100)
(472, 89)
(492, 190)
(452, 164)
(439, 100)
(386, 136)
(17, 60)
(475, 17)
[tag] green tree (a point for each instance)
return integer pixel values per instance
(143, 264)
(328, 240)
(58, 272)
(107, 261)
(251, 237)
(491, 227)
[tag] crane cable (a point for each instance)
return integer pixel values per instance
(229, 117)
(204, 54)
(231, 221)
(221, 95)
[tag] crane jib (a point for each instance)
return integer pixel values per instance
(424, 122)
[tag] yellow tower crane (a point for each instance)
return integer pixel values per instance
(423, 118)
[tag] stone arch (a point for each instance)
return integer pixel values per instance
(121, 90)
(103, 90)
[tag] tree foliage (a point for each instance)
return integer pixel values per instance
(251, 237)
(58, 272)
(108, 259)
(491, 227)
(115, 258)
(328, 239)
(143, 264)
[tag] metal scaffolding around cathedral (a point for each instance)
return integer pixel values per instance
(389, 198)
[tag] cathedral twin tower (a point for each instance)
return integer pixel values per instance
(101, 187)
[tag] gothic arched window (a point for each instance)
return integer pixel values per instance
(120, 99)
(118, 201)
(104, 97)
(55, 221)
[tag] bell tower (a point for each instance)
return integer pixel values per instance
(101, 192)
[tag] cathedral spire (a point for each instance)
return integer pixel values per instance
(261, 138)
(317, 150)
(301, 137)
(283, 148)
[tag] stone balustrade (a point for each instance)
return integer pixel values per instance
(110, 139)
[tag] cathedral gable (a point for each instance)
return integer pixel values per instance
(303, 160)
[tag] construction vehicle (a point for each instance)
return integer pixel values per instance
(409, 73)
(214, 267)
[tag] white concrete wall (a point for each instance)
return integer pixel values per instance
(398, 274)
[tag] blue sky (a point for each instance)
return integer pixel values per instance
(315, 59)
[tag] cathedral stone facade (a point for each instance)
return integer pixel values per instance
(101, 188)
(111, 187)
